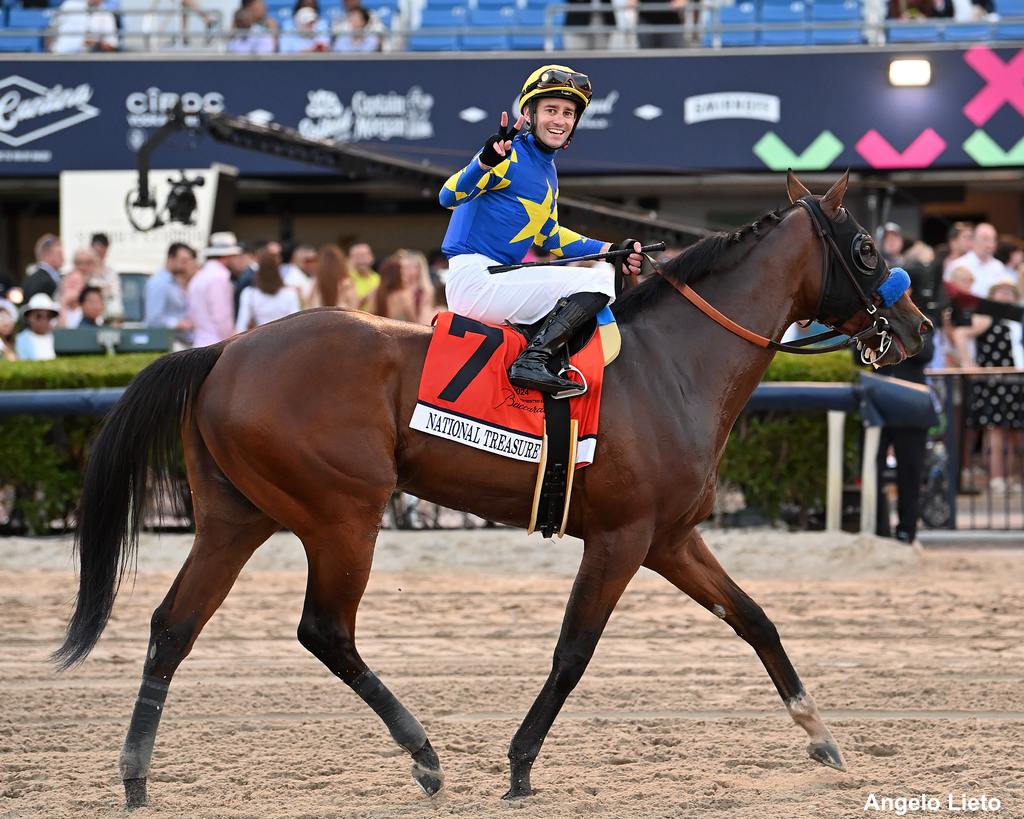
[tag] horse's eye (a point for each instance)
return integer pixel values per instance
(865, 253)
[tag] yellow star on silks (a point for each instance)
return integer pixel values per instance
(538, 213)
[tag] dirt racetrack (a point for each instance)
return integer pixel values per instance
(917, 662)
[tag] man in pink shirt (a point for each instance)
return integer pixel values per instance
(211, 298)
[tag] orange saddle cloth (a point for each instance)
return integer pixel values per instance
(465, 394)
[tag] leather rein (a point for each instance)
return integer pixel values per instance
(830, 252)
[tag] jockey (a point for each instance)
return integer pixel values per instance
(506, 200)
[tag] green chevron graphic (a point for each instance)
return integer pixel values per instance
(778, 156)
(986, 152)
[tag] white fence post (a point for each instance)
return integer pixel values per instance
(834, 479)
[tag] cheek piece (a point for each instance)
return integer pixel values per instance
(895, 286)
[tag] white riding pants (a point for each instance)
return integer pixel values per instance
(520, 296)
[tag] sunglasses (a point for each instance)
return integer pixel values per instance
(555, 78)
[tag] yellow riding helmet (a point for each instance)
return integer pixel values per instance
(557, 81)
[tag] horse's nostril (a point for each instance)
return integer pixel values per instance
(925, 328)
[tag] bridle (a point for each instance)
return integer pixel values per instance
(831, 255)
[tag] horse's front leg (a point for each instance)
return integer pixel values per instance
(687, 562)
(609, 563)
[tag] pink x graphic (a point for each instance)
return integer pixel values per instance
(921, 153)
(1004, 83)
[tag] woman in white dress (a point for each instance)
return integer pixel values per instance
(267, 298)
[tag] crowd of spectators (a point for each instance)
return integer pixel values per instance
(206, 296)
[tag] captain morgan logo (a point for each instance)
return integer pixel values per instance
(30, 111)
(366, 116)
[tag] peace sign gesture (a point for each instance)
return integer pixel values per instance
(496, 146)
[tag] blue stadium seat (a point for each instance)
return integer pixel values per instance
(967, 33)
(775, 14)
(494, 4)
(444, 18)
(280, 8)
(444, 4)
(529, 18)
(740, 13)
(373, 5)
(18, 18)
(1008, 31)
(912, 33)
(479, 39)
(846, 11)
(1010, 8)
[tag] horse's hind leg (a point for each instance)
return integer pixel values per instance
(228, 530)
(339, 567)
(690, 565)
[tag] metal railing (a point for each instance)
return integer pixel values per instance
(982, 469)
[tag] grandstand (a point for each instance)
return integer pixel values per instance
(533, 25)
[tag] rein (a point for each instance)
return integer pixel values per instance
(830, 251)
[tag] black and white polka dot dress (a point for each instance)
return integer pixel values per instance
(996, 402)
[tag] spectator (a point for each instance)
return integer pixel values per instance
(583, 29)
(416, 274)
(252, 31)
(167, 293)
(83, 26)
(892, 244)
(45, 276)
(908, 443)
(332, 284)
(8, 318)
(995, 405)
(106, 277)
(671, 20)
(307, 33)
(70, 289)
(355, 34)
(300, 271)
(919, 9)
(267, 299)
(35, 342)
(1011, 254)
(210, 293)
(365, 278)
(91, 302)
(987, 269)
(396, 296)
(245, 278)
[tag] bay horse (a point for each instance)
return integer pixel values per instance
(303, 423)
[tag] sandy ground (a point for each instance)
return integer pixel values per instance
(916, 660)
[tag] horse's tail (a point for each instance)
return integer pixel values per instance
(138, 443)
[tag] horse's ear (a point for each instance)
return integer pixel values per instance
(832, 201)
(795, 188)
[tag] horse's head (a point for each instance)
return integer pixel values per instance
(857, 291)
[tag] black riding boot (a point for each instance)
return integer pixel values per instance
(531, 368)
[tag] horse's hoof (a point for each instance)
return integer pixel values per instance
(426, 770)
(514, 793)
(135, 793)
(827, 753)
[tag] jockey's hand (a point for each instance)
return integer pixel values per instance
(628, 265)
(497, 146)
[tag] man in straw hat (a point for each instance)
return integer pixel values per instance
(211, 296)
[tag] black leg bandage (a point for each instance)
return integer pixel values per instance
(404, 727)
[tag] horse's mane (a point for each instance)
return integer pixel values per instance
(719, 251)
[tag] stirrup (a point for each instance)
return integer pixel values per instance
(575, 393)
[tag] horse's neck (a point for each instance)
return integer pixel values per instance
(761, 294)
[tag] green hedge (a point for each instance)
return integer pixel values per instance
(777, 459)
(41, 457)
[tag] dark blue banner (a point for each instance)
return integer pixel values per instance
(755, 112)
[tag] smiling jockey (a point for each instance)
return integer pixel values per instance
(506, 200)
